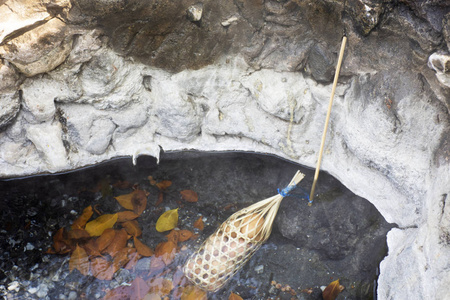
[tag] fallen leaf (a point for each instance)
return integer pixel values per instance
(139, 288)
(139, 201)
(332, 290)
(81, 221)
(192, 292)
(173, 236)
(102, 269)
(166, 251)
(161, 286)
(152, 180)
(160, 198)
(156, 266)
(234, 296)
(60, 243)
(167, 221)
(199, 224)
(127, 215)
(142, 249)
(105, 239)
(122, 257)
(134, 257)
(97, 226)
(132, 228)
(163, 185)
(119, 293)
(118, 243)
(189, 195)
(126, 200)
(184, 235)
(78, 234)
(79, 260)
(91, 248)
(152, 296)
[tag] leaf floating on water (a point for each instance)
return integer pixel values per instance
(79, 260)
(142, 249)
(102, 269)
(332, 290)
(132, 228)
(81, 221)
(139, 288)
(127, 215)
(199, 224)
(167, 221)
(97, 226)
(166, 251)
(234, 296)
(189, 196)
(192, 292)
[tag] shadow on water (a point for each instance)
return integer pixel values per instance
(342, 236)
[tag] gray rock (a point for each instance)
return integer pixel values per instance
(9, 107)
(440, 63)
(321, 63)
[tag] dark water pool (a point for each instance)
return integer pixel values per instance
(342, 236)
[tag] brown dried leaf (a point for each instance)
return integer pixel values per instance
(189, 195)
(199, 224)
(160, 198)
(60, 242)
(332, 290)
(79, 260)
(81, 221)
(184, 235)
(125, 200)
(134, 257)
(105, 239)
(102, 269)
(118, 243)
(139, 201)
(166, 251)
(192, 292)
(234, 296)
(173, 236)
(152, 180)
(163, 185)
(97, 226)
(91, 248)
(139, 288)
(127, 215)
(132, 228)
(142, 249)
(78, 234)
(122, 257)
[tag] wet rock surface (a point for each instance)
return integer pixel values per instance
(34, 208)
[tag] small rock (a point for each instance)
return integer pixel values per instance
(29, 247)
(72, 295)
(13, 286)
(43, 290)
(228, 22)
(259, 269)
(194, 12)
(32, 290)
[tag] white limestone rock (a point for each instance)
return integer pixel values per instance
(440, 63)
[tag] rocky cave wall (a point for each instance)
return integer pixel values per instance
(82, 81)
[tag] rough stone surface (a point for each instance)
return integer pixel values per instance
(126, 78)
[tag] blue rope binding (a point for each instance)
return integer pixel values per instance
(287, 192)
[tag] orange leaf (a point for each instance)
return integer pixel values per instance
(101, 268)
(81, 221)
(142, 249)
(184, 235)
(189, 196)
(139, 201)
(199, 224)
(163, 185)
(160, 198)
(139, 289)
(97, 226)
(122, 257)
(166, 251)
(332, 290)
(233, 296)
(79, 260)
(118, 243)
(127, 215)
(132, 227)
(60, 242)
(78, 234)
(152, 180)
(105, 239)
(192, 292)
(173, 236)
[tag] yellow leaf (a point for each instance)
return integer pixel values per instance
(332, 290)
(97, 226)
(167, 221)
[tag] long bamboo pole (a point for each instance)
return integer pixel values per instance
(327, 120)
